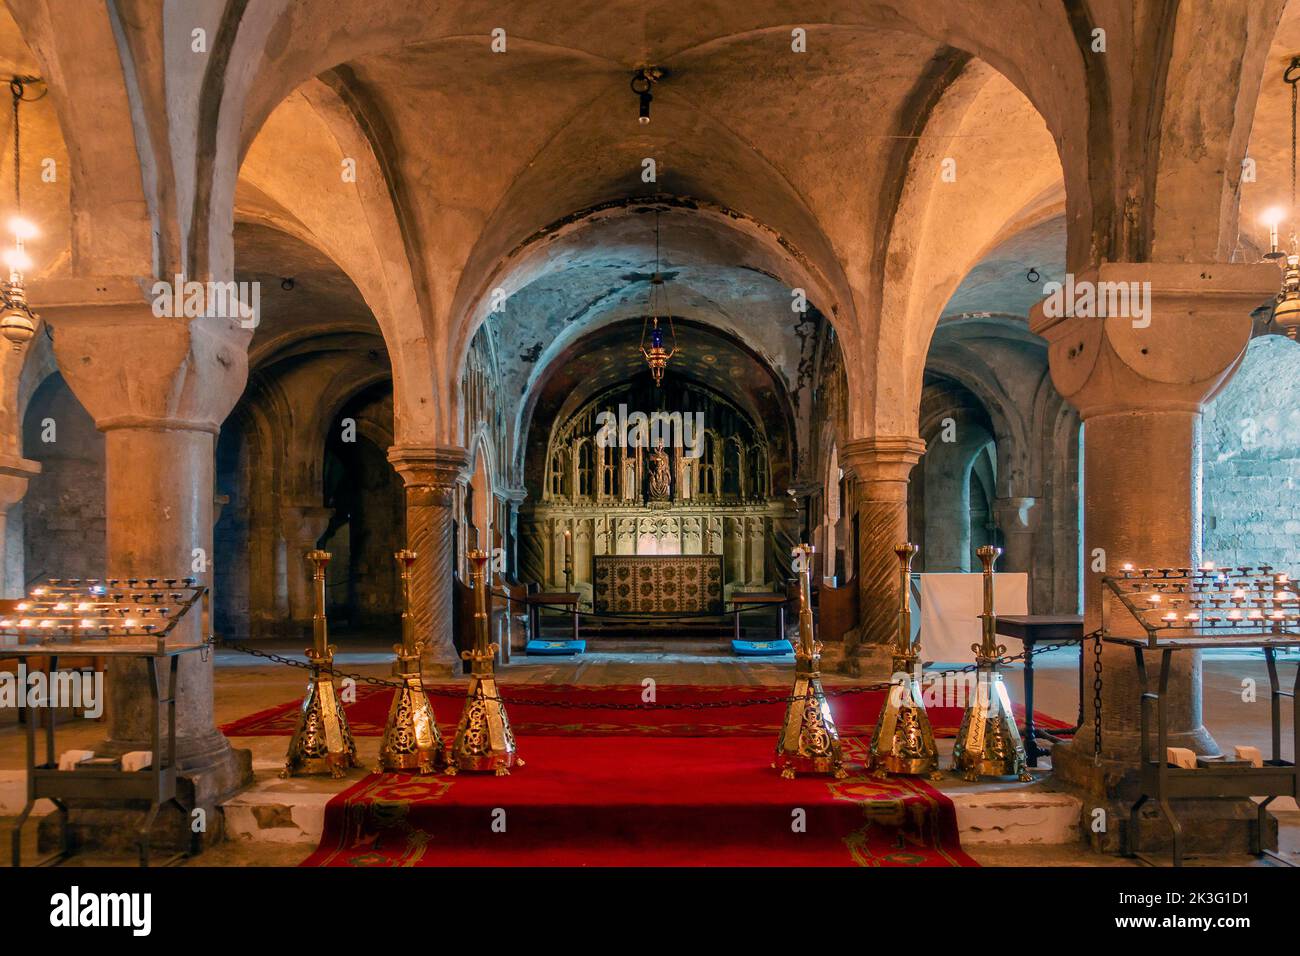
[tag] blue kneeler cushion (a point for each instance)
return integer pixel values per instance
(555, 648)
(762, 648)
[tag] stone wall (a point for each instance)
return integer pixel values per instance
(63, 511)
(1250, 440)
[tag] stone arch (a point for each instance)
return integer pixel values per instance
(384, 266)
(953, 225)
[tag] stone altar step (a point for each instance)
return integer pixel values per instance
(988, 812)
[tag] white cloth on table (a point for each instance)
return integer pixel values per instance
(951, 604)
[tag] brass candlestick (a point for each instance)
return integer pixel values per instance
(321, 742)
(484, 740)
(809, 742)
(411, 740)
(903, 741)
(988, 742)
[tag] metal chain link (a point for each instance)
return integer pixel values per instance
(1096, 695)
(596, 705)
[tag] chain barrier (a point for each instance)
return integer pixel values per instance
(596, 705)
(1096, 696)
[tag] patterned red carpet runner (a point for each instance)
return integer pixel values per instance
(855, 714)
(640, 801)
(691, 787)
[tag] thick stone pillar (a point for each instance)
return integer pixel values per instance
(159, 390)
(430, 475)
(881, 466)
(15, 472)
(1139, 383)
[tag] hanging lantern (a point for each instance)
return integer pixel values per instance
(17, 321)
(656, 347)
(1286, 307)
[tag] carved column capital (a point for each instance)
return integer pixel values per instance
(429, 472)
(1178, 334)
(15, 472)
(881, 458)
(132, 369)
(1017, 514)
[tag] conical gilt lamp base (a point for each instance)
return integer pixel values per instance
(411, 739)
(484, 740)
(322, 741)
(988, 743)
(809, 742)
(903, 741)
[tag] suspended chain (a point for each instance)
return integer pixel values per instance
(1096, 695)
(594, 705)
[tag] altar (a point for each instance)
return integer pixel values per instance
(658, 583)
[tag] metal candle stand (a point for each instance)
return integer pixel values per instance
(322, 741)
(988, 743)
(484, 740)
(411, 738)
(123, 618)
(809, 742)
(1187, 609)
(903, 741)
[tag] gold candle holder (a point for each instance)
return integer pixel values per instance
(903, 741)
(322, 741)
(809, 742)
(411, 739)
(484, 740)
(988, 743)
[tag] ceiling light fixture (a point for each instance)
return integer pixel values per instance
(653, 348)
(1286, 308)
(642, 80)
(17, 321)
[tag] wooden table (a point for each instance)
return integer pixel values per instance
(1031, 629)
(563, 598)
(757, 598)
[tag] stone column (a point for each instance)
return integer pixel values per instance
(1139, 385)
(1017, 519)
(302, 527)
(159, 390)
(14, 475)
(881, 466)
(430, 475)
(514, 497)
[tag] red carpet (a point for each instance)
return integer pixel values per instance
(640, 802)
(855, 714)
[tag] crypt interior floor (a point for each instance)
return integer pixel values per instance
(1002, 823)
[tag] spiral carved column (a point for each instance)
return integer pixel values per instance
(430, 475)
(881, 466)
